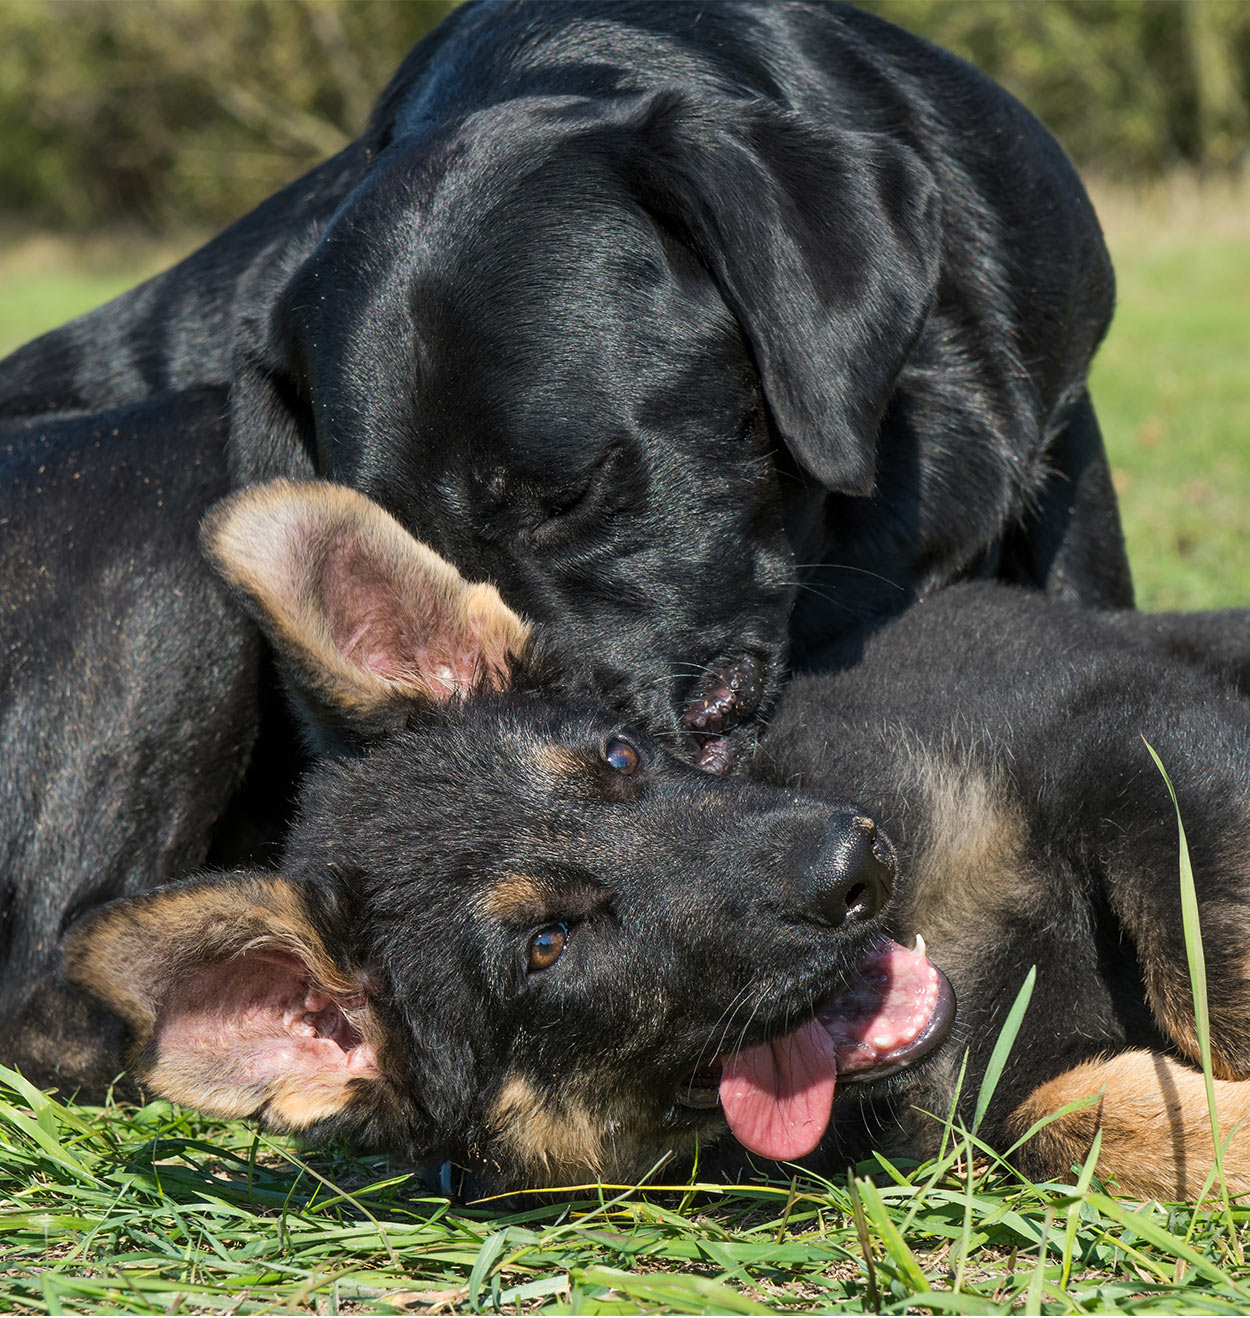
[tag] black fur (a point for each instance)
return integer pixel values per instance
(1050, 708)
(659, 315)
(132, 693)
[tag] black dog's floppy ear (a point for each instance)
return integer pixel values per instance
(235, 1004)
(825, 245)
(364, 617)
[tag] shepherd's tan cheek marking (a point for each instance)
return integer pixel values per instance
(543, 1134)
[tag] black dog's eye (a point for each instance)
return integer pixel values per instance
(621, 756)
(587, 503)
(560, 505)
(546, 946)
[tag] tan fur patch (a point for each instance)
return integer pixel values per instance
(296, 1106)
(971, 863)
(559, 761)
(546, 1137)
(275, 542)
(1156, 1134)
(289, 1103)
(517, 899)
(1168, 991)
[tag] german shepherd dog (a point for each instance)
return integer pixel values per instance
(509, 932)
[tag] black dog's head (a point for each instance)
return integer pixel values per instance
(658, 328)
(507, 930)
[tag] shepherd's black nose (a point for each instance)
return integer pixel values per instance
(853, 873)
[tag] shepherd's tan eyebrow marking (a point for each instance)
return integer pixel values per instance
(526, 899)
(519, 899)
(561, 761)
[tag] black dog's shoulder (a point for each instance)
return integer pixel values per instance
(128, 689)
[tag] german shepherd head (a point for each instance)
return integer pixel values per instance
(506, 931)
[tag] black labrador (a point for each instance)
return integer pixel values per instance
(693, 326)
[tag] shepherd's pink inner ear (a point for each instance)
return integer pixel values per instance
(419, 626)
(257, 1032)
(366, 617)
(366, 612)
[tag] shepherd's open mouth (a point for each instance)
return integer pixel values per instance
(778, 1096)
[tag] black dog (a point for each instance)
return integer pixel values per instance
(511, 932)
(823, 296)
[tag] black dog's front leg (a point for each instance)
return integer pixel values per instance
(1069, 542)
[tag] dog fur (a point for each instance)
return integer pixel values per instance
(377, 983)
(134, 696)
(1000, 740)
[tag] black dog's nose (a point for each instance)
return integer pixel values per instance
(852, 875)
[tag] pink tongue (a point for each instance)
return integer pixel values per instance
(777, 1097)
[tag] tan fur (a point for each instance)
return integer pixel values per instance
(1170, 996)
(295, 1106)
(1156, 1134)
(559, 762)
(517, 899)
(289, 1103)
(578, 1136)
(301, 525)
(974, 844)
(545, 1136)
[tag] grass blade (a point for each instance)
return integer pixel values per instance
(1197, 962)
(1003, 1047)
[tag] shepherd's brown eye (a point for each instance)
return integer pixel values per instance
(621, 756)
(547, 945)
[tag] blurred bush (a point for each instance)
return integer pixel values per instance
(188, 112)
(1131, 88)
(184, 111)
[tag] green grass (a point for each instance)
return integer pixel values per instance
(1172, 389)
(153, 1210)
(45, 281)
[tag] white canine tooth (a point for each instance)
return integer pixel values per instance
(919, 945)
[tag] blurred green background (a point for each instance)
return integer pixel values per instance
(132, 129)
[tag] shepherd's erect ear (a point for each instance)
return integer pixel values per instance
(235, 1002)
(365, 619)
(825, 244)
